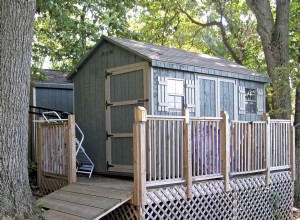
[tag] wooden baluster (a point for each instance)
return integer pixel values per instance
(266, 118)
(40, 152)
(187, 161)
(71, 150)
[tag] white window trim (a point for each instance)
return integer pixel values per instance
(256, 101)
(176, 94)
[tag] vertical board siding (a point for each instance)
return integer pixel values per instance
(55, 98)
(89, 90)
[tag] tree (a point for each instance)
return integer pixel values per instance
(65, 30)
(295, 55)
(16, 35)
(273, 28)
(217, 27)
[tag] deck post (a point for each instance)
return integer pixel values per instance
(225, 149)
(40, 152)
(187, 157)
(266, 118)
(292, 148)
(71, 149)
(139, 156)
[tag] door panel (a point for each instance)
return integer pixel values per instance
(126, 86)
(122, 151)
(122, 118)
(227, 98)
(207, 90)
(216, 95)
(124, 90)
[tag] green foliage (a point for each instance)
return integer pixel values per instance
(286, 76)
(32, 167)
(65, 30)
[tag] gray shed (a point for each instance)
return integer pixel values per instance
(54, 93)
(119, 74)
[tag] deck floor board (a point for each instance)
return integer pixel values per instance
(52, 214)
(87, 198)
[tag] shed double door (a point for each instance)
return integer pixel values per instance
(216, 95)
(124, 90)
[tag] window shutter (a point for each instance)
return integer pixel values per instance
(162, 93)
(260, 101)
(242, 101)
(190, 95)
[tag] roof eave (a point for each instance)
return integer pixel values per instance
(98, 44)
(203, 70)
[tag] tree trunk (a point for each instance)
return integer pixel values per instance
(16, 35)
(297, 154)
(83, 32)
(274, 34)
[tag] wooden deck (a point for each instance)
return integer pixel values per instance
(87, 198)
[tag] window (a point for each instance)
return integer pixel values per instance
(175, 95)
(250, 100)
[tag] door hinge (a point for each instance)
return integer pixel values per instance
(107, 74)
(108, 135)
(108, 165)
(108, 104)
(143, 100)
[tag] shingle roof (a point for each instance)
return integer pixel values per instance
(53, 76)
(152, 52)
(178, 56)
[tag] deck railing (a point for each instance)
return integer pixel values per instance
(205, 147)
(248, 146)
(280, 142)
(180, 149)
(164, 144)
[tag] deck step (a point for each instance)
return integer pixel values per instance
(89, 199)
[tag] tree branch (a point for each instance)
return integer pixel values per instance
(212, 23)
(218, 24)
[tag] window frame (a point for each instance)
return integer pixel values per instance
(247, 101)
(182, 96)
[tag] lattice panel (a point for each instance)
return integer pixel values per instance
(249, 198)
(124, 212)
(209, 202)
(255, 201)
(49, 185)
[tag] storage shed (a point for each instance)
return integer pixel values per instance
(54, 93)
(120, 74)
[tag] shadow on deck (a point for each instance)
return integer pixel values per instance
(87, 198)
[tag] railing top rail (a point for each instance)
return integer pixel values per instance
(206, 118)
(165, 117)
(249, 122)
(280, 121)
